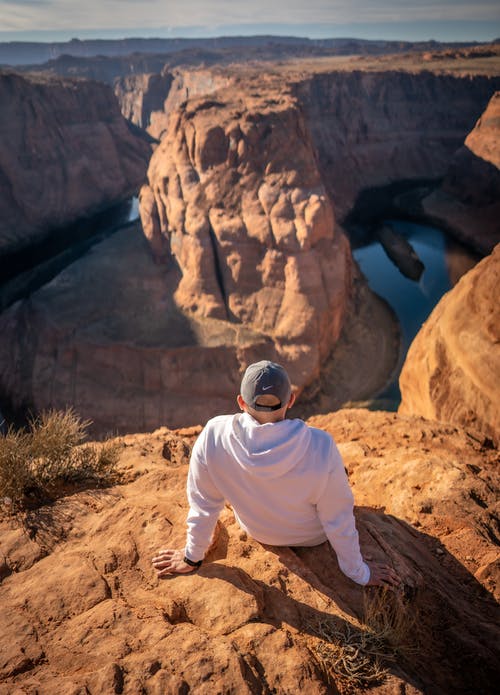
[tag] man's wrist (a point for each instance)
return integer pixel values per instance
(192, 563)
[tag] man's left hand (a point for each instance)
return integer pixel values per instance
(170, 561)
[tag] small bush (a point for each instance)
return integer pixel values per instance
(394, 616)
(40, 463)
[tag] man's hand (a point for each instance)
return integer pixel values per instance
(171, 561)
(382, 575)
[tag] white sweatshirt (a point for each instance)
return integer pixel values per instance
(285, 482)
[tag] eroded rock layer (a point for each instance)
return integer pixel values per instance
(256, 619)
(65, 153)
(452, 370)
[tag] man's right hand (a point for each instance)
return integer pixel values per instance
(382, 575)
(170, 561)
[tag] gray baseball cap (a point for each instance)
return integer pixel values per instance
(265, 378)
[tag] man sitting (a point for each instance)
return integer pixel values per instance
(284, 480)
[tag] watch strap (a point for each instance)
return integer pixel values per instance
(192, 563)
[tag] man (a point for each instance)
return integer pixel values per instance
(284, 480)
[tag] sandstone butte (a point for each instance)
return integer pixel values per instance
(468, 202)
(237, 204)
(83, 611)
(66, 152)
(452, 370)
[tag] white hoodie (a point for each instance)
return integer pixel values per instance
(285, 482)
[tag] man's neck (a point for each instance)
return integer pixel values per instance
(267, 417)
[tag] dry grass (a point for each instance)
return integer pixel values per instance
(351, 658)
(354, 658)
(394, 617)
(40, 463)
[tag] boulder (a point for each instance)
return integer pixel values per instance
(452, 370)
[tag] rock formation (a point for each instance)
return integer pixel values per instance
(140, 95)
(66, 152)
(369, 127)
(128, 358)
(82, 609)
(468, 203)
(236, 202)
(148, 99)
(452, 370)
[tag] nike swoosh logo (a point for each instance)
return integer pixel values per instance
(266, 388)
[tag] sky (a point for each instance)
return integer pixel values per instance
(445, 20)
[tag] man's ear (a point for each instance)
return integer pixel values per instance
(241, 402)
(292, 400)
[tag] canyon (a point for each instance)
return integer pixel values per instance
(242, 210)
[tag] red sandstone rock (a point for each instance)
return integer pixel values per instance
(83, 609)
(452, 370)
(65, 153)
(235, 196)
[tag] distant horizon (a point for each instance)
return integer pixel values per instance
(47, 21)
(440, 31)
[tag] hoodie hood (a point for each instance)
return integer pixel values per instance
(268, 450)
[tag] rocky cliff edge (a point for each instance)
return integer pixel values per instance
(82, 610)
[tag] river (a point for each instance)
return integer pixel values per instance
(445, 261)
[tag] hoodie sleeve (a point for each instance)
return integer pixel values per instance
(205, 502)
(335, 507)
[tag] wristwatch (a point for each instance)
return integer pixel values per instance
(191, 563)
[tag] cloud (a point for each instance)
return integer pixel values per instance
(26, 2)
(128, 15)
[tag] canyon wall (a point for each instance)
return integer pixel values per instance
(376, 128)
(140, 95)
(452, 371)
(65, 152)
(148, 99)
(468, 202)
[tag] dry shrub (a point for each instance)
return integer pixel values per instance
(353, 658)
(393, 616)
(40, 463)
